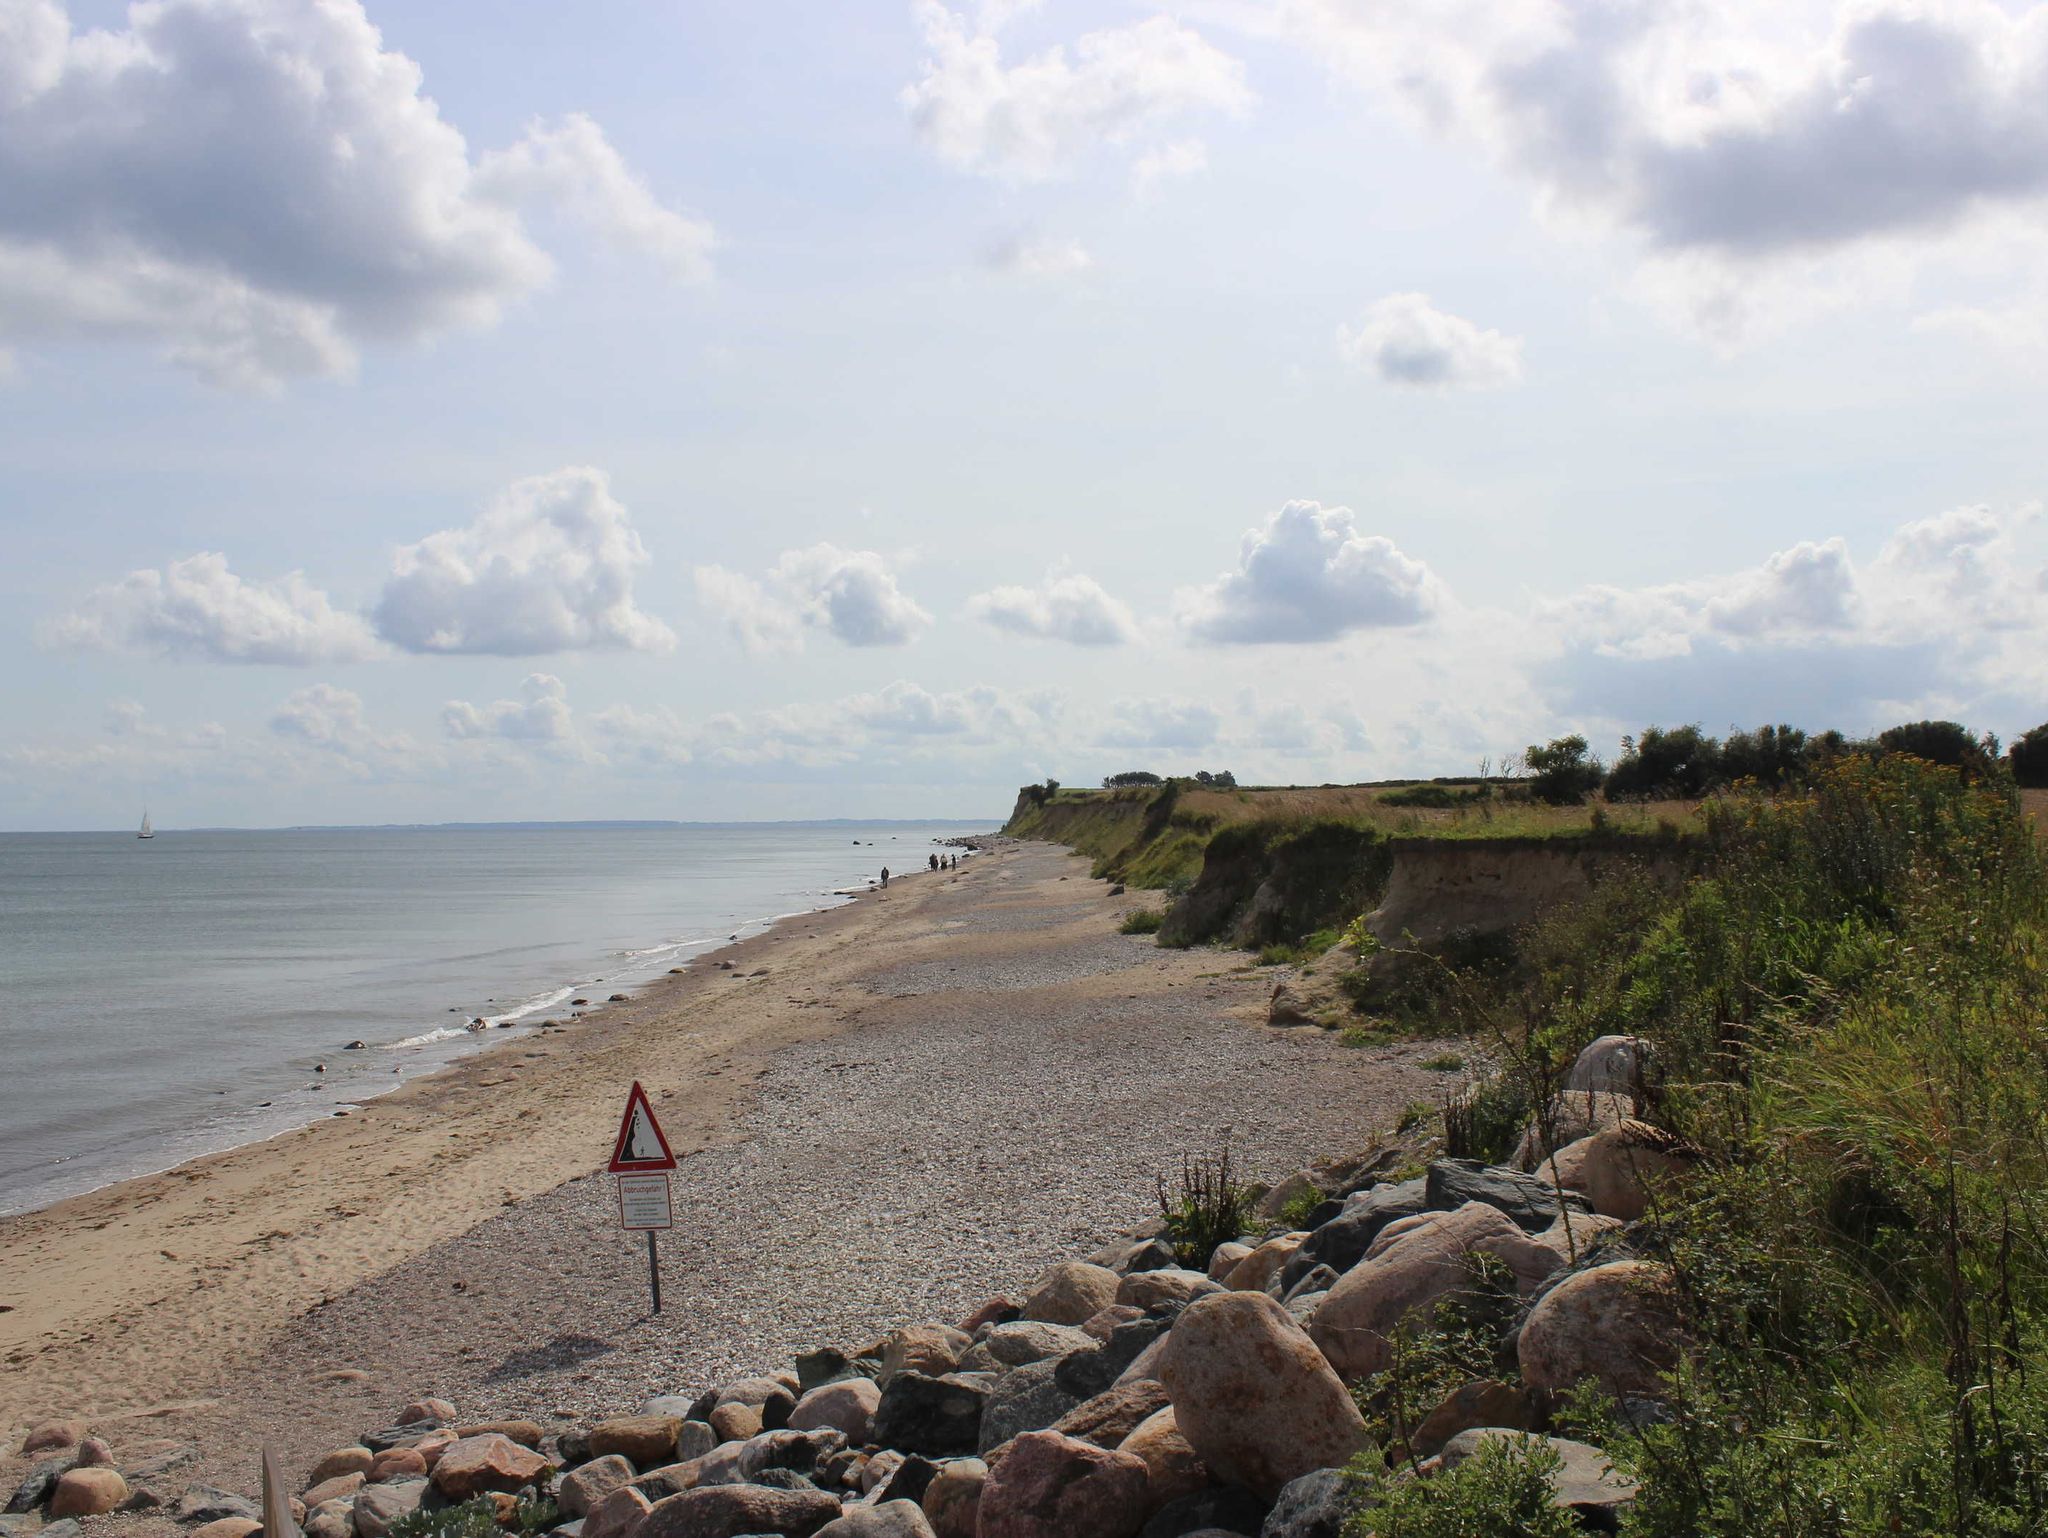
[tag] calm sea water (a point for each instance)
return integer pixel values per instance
(167, 998)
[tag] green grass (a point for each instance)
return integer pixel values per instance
(1443, 1062)
(1141, 921)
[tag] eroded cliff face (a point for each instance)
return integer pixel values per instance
(1439, 888)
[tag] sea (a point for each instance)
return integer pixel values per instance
(195, 991)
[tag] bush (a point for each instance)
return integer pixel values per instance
(1940, 742)
(1208, 1209)
(1501, 1491)
(1142, 921)
(1561, 773)
(477, 1518)
(1484, 1120)
(1438, 797)
(1130, 777)
(1681, 763)
(2028, 758)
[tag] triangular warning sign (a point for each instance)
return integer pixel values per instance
(640, 1147)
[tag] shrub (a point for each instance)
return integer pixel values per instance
(1130, 777)
(1940, 742)
(2028, 757)
(1209, 1208)
(1484, 1120)
(1501, 1491)
(1441, 797)
(477, 1518)
(1681, 763)
(1561, 773)
(1142, 921)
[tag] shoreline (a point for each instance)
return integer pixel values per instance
(412, 1058)
(886, 1112)
(108, 1259)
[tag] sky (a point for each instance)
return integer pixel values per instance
(748, 409)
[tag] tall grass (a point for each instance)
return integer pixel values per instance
(1848, 1009)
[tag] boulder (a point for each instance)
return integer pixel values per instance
(1484, 1402)
(1030, 1398)
(1253, 1397)
(1585, 1483)
(694, 1439)
(1299, 1186)
(525, 1433)
(334, 1520)
(1171, 1468)
(343, 1460)
(618, 1515)
(815, 1368)
(1218, 1509)
(997, 1310)
(736, 1422)
(645, 1441)
(1153, 1254)
(94, 1453)
(1573, 1115)
(89, 1492)
(1533, 1204)
(1148, 1289)
(1084, 1374)
(340, 1488)
(492, 1461)
(1026, 1340)
(1288, 1005)
(952, 1501)
(1114, 1413)
(1624, 1166)
(1224, 1256)
(1410, 1270)
(1342, 1242)
(397, 1463)
(582, 1488)
(1103, 1323)
(203, 1503)
(1566, 1167)
(741, 1462)
(1616, 1324)
(939, 1417)
(226, 1527)
(932, 1349)
(51, 1436)
(909, 1481)
(1315, 1506)
(1070, 1292)
(847, 1406)
(1052, 1486)
(36, 1485)
(436, 1412)
(1610, 1065)
(378, 1506)
(887, 1519)
(731, 1511)
(1264, 1263)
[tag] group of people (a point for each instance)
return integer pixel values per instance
(936, 862)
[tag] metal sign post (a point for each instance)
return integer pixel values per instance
(641, 1160)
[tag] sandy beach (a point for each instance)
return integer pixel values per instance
(885, 1112)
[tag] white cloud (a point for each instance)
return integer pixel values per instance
(1065, 607)
(198, 610)
(1308, 574)
(548, 566)
(1731, 139)
(261, 188)
(1035, 119)
(334, 721)
(852, 595)
(571, 164)
(1408, 341)
(539, 715)
(1173, 161)
(1951, 609)
(1027, 256)
(1160, 722)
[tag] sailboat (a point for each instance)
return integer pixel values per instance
(147, 830)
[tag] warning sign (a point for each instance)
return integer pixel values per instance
(644, 1203)
(641, 1148)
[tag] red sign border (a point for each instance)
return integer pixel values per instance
(661, 1175)
(620, 1164)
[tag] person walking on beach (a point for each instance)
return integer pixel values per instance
(885, 875)
(932, 862)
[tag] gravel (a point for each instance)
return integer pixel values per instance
(1002, 1105)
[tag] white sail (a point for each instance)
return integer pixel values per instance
(147, 830)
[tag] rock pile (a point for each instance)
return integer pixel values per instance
(1125, 1396)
